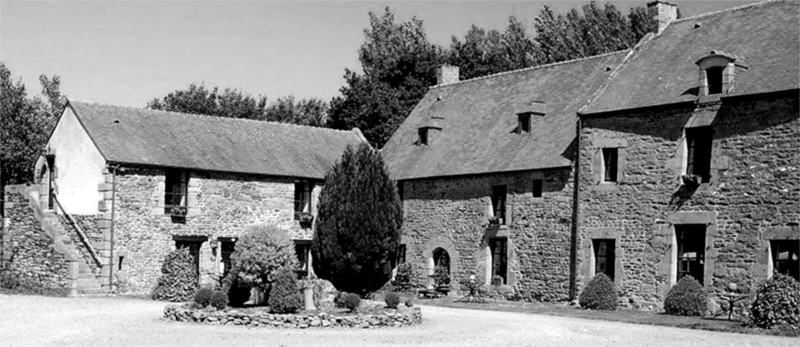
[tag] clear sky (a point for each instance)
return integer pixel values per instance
(127, 53)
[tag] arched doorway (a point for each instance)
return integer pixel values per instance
(441, 263)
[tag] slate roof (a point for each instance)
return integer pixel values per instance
(158, 138)
(663, 71)
(478, 120)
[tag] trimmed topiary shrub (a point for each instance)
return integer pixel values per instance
(178, 277)
(600, 294)
(392, 300)
(686, 298)
(409, 302)
(777, 304)
(351, 301)
(259, 254)
(285, 295)
(219, 299)
(203, 296)
(338, 300)
(358, 223)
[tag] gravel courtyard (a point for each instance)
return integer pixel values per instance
(45, 321)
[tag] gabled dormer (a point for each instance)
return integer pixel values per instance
(429, 130)
(717, 73)
(526, 114)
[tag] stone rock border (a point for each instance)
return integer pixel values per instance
(395, 318)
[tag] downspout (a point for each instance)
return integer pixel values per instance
(113, 208)
(573, 247)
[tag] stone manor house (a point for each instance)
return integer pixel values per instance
(677, 157)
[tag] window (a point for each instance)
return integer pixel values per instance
(302, 198)
(401, 254)
(537, 188)
(499, 248)
(175, 190)
(303, 252)
(698, 158)
(610, 156)
(524, 120)
(786, 257)
(499, 203)
(226, 248)
(691, 250)
(423, 136)
(604, 257)
(714, 79)
(51, 180)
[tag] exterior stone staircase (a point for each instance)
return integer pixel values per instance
(85, 279)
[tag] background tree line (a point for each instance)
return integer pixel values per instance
(397, 66)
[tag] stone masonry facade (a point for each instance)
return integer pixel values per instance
(452, 214)
(752, 197)
(219, 205)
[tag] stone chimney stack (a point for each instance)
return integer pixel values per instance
(447, 74)
(663, 12)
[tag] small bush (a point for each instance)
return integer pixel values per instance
(600, 294)
(338, 300)
(351, 301)
(178, 277)
(203, 296)
(686, 298)
(409, 302)
(392, 300)
(777, 304)
(285, 295)
(219, 299)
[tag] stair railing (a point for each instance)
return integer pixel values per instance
(79, 231)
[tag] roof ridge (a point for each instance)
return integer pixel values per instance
(737, 8)
(529, 68)
(191, 115)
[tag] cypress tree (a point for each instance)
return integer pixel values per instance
(358, 223)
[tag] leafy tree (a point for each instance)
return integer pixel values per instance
(178, 279)
(259, 254)
(26, 124)
(232, 103)
(489, 52)
(313, 112)
(358, 223)
(399, 65)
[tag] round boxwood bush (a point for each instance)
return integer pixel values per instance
(600, 294)
(178, 277)
(285, 294)
(777, 304)
(392, 300)
(351, 301)
(686, 298)
(203, 296)
(219, 299)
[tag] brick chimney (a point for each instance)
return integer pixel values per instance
(663, 12)
(447, 74)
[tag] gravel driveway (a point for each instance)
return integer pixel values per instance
(37, 321)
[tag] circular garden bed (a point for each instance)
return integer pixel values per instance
(374, 317)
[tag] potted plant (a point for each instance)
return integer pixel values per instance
(178, 211)
(305, 218)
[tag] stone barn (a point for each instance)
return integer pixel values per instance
(118, 188)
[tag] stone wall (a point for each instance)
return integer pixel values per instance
(31, 255)
(754, 192)
(219, 205)
(452, 213)
(257, 318)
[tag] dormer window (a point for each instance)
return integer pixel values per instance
(524, 121)
(423, 136)
(716, 72)
(714, 78)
